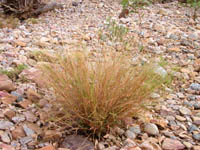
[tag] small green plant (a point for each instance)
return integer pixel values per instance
(117, 36)
(95, 96)
(115, 32)
(13, 74)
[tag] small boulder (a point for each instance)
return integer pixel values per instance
(6, 84)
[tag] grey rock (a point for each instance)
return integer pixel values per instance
(28, 131)
(19, 96)
(196, 136)
(188, 104)
(192, 128)
(5, 137)
(160, 71)
(26, 140)
(129, 134)
(195, 86)
(173, 36)
(5, 125)
(197, 105)
(136, 129)
(151, 129)
(73, 142)
(18, 119)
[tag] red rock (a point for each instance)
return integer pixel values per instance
(6, 147)
(6, 84)
(18, 132)
(170, 144)
(49, 147)
(25, 103)
(33, 95)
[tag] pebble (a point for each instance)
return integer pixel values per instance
(25, 140)
(185, 111)
(5, 137)
(18, 119)
(129, 134)
(151, 129)
(5, 125)
(196, 136)
(195, 86)
(180, 118)
(192, 128)
(135, 129)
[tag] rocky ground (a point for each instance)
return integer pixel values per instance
(168, 34)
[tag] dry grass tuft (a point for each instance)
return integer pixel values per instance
(95, 96)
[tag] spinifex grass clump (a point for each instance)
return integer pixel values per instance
(95, 96)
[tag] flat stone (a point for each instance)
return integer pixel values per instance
(8, 99)
(180, 118)
(6, 84)
(30, 116)
(151, 129)
(25, 103)
(9, 114)
(25, 140)
(185, 111)
(171, 144)
(5, 125)
(18, 118)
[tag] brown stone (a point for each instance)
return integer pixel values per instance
(174, 49)
(18, 132)
(34, 75)
(25, 103)
(6, 84)
(9, 114)
(35, 128)
(51, 135)
(33, 95)
(49, 147)
(8, 99)
(20, 43)
(30, 116)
